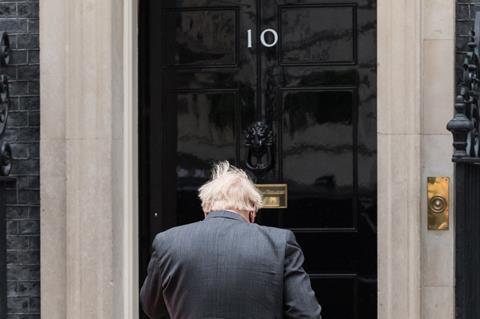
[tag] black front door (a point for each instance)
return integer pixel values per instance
(307, 69)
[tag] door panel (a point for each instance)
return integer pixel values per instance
(202, 87)
(341, 295)
(203, 37)
(317, 33)
(318, 165)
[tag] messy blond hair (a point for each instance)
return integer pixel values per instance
(230, 188)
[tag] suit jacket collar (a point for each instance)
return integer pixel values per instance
(225, 214)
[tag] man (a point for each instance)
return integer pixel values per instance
(226, 266)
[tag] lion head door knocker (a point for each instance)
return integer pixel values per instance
(259, 142)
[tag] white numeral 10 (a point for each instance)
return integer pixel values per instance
(262, 38)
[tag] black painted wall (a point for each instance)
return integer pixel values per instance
(20, 19)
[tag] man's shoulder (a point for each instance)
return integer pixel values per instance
(272, 229)
(171, 233)
(278, 233)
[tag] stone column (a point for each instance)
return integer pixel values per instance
(399, 169)
(438, 83)
(53, 208)
(88, 191)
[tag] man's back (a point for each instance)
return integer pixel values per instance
(224, 267)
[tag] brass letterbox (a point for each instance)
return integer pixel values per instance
(274, 195)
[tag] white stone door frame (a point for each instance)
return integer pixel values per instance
(89, 182)
(399, 169)
(88, 161)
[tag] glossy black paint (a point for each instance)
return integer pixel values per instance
(467, 241)
(201, 87)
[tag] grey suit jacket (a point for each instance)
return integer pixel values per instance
(224, 267)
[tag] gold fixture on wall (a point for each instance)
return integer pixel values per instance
(437, 193)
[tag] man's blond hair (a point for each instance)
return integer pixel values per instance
(229, 188)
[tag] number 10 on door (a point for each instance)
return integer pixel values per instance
(263, 41)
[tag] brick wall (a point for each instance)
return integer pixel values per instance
(20, 19)
(464, 25)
